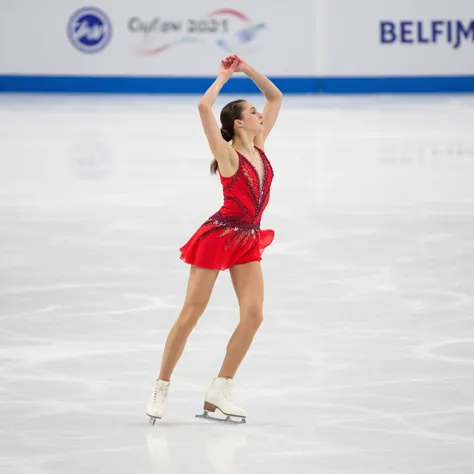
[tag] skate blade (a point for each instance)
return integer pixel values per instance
(153, 419)
(228, 419)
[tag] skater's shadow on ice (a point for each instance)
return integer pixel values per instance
(204, 449)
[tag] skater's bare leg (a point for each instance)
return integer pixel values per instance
(200, 284)
(248, 284)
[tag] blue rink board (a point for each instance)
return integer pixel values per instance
(197, 85)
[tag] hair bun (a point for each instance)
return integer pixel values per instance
(226, 135)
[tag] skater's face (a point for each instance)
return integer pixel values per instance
(252, 119)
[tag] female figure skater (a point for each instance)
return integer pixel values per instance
(229, 239)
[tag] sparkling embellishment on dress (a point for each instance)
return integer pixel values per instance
(235, 228)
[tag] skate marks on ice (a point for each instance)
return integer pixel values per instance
(203, 449)
(369, 285)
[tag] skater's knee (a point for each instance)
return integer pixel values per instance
(252, 315)
(190, 315)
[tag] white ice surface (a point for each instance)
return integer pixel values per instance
(365, 361)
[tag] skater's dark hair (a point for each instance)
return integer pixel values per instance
(230, 112)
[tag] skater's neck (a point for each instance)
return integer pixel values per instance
(244, 144)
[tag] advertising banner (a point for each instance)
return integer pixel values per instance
(399, 38)
(144, 37)
(175, 47)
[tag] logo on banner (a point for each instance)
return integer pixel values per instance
(89, 30)
(228, 29)
(453, 32)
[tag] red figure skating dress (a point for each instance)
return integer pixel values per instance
(232, 235)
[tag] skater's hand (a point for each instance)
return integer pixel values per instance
(228, 66)
(242, 66)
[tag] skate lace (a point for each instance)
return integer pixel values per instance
(228, 391)
(160, 388)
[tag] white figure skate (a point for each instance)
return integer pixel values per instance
(158, 400)
(220, 397)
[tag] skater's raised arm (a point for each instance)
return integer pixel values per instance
(272, 94)
(219, 147)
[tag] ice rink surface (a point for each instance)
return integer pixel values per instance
(365, 361)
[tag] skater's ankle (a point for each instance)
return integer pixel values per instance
(163, 379)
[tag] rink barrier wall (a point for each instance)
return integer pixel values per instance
(145, 85)
(397, 85)
(198, 85)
